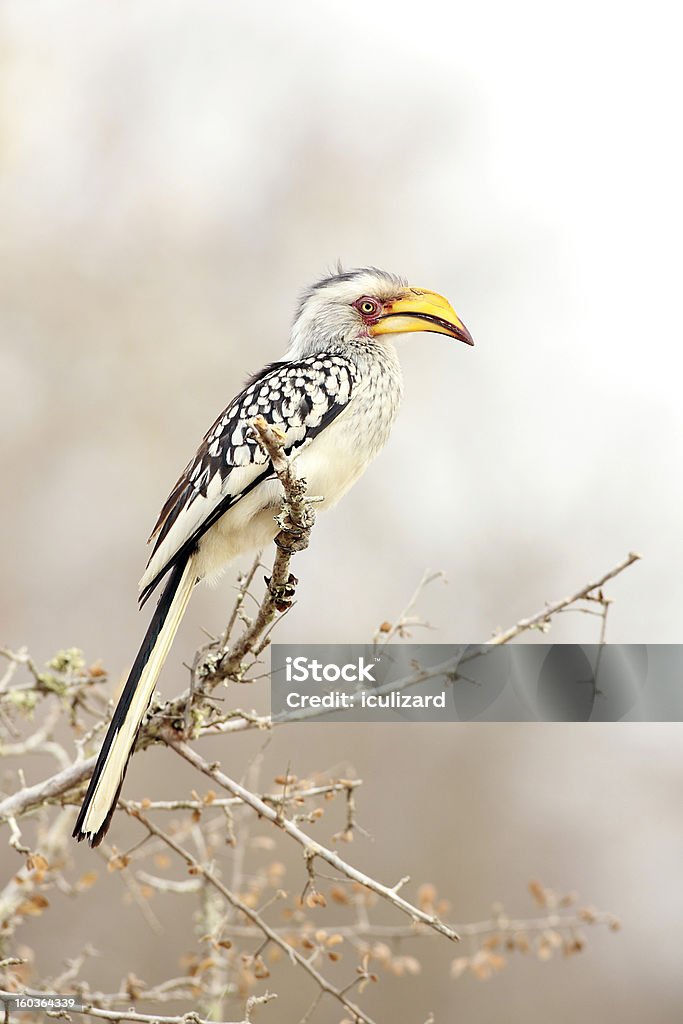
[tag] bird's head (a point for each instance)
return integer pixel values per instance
(368, 304)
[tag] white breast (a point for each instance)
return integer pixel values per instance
(335, 459)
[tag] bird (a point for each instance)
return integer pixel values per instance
(333, 396)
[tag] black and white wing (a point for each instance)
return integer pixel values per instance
(301, 398)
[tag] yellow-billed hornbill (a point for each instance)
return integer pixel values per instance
(334, 395)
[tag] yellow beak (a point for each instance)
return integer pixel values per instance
(418, 310)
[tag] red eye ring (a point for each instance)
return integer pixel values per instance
(368, 306)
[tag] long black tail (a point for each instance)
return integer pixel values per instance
(100, 800)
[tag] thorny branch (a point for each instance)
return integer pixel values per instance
(449, 668)
(207, 722)
(494, 925)
(130, 1015)
(207, 821)
(590, 592)
(270, 934)
(312, 849)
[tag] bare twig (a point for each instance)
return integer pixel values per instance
(49, 789)
(543, 617)
(311, 847)
(137, 1018)
(275, 799)
(502, 925)
(449, 668)
(269, 933)
(387, 631)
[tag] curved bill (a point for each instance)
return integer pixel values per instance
(418, 310)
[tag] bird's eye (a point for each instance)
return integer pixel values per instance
(368, 306)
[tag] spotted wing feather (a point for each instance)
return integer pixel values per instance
(301, 398)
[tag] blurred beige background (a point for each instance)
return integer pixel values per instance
(171, 175)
